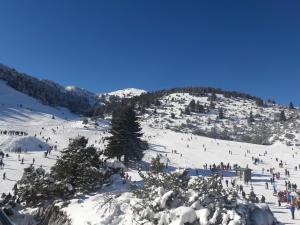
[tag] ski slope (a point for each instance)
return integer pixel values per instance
(55, 126)
(191, 155)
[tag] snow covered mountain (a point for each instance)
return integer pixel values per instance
(221, 116)
(126, 93)
(182, 126)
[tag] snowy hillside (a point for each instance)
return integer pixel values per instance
(229, 118)
(82, 92)
(172, 132)
(192, 152)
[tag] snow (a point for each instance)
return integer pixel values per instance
(113, 204)
(127, 93)
(12, 144)
(184, 215)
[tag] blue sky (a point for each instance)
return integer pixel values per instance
(249, 45)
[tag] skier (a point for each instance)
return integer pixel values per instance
(263, 199)
(293, 207)
(4, 176)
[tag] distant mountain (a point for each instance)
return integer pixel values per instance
(127, 93)
(48, 92)
(204, 111)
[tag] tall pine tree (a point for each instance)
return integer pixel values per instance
(125, 140)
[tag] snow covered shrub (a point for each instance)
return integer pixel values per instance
(79, 169)
(33, 186)
(177, 199)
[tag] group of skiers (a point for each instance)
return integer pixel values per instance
(13, 132)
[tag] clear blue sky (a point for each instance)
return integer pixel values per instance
(247, 45)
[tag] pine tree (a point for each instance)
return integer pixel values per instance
(282, 116)
(259, 102)
(291, 105)
(156, 166)
(211, 105)
(221, 114)
(79, 168)
(187, 111)
(172, 116)
(192, 106)
(125, 140)
(200, 108)
(251, 118)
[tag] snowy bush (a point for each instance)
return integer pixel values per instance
(79, 169)
(177, 199)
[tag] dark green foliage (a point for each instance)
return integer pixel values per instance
(282, 116)
(211, 105)
(33, 189)
(79, 166)
(156, 166)
(178, 189)
(251, 118)
(79, 169)
(221, 114)
(187, 111)
(125, 140)
(172, 116)
(46, 91)
(259, 102)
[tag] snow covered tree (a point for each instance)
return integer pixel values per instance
(174, 198)
(251, 118)
(187, 111)
(221, 114)
(282, 116)
(259, 102)
(32, 188)
(156, 166)
(79, 168)
(125, 140)
(192, 106)
(172, 116)
(291, 105)
(212, 105)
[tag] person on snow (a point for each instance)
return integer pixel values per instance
(279, 196)
(263, 199)
(293, 207)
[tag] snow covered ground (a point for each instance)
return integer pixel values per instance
(55, 126)
(194, 157)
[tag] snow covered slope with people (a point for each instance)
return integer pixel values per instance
(173, 133)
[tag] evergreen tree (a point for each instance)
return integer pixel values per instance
(156, 166)
(291, 105)
(221, 114)
(213, 97)
(282, 116)
(211, 105)
(200, 108)
(187, 111)
(125, 140)
(172, 116)
(192, 106)
(79, 168)
(251, 118)
(259, 102)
